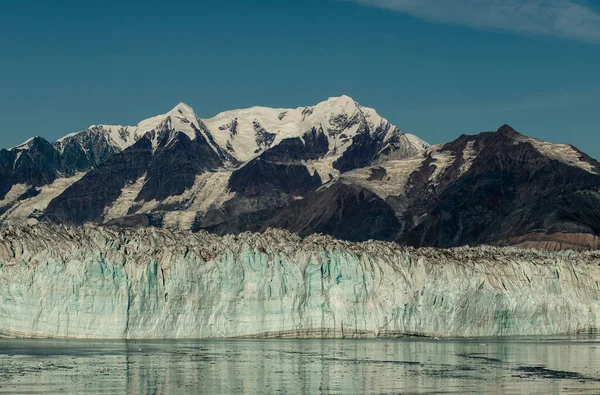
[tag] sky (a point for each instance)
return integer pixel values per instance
(434, 68)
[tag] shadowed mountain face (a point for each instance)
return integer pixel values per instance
(312, 145)
(38, 162)
(175, 164)
(498, 188)
(27, 168)
(347, 212)
(168, 170)
(86, 200)
(280, 168)
(35, 166)
(511, 189)
(335, 168)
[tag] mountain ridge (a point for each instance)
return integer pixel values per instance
(336, 167)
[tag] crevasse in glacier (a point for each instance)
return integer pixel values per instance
(93, 282)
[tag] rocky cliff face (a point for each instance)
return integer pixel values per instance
(153, 283)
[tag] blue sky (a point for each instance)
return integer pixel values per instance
(435, 68)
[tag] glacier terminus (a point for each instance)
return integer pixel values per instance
(146, 283)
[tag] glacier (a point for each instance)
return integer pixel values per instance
(110, 283)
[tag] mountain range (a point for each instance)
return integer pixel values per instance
(336, 168)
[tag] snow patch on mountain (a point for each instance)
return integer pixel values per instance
(442, 160)
(115, 135)
(323, 167)
(126, 199)
(393, 182)
(210, 190)
(24, 211)
(469, 154)
(181, 118)
(15, 192)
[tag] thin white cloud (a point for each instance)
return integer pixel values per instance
(562, 18)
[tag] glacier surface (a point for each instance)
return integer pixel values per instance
(94, 282)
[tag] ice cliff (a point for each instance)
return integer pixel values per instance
(95, 282)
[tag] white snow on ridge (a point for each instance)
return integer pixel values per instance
(24, 145)
(66, 136)
(564, 153)
(416, 141)
(238, 127)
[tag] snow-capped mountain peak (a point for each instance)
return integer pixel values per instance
(183, 110)
(181, 118)
(246, 133)
(338, 104)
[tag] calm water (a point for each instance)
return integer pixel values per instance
(518, 365)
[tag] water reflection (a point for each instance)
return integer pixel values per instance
(302, 366)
